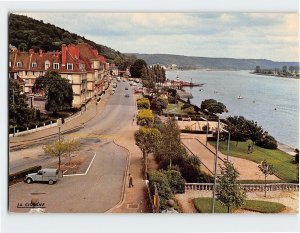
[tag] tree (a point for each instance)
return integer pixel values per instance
(58, 91)
(257, 69)
(229, 191)
(146, 139)
(158, 104)
(267, 141)
(136, 68)
(61, 148)
(143, 103)
(19, 112)
(145, 117)
(213, 106)
(267, 170)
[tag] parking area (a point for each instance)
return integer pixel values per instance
(96, 192)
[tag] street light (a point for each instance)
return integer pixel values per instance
(203, 118)
(215, 168)
(59, 159)
(14, 111)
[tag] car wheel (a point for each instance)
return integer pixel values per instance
(50, 182)
(28, 180)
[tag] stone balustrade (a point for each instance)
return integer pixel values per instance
(246, 187)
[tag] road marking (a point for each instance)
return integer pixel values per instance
(83, 174)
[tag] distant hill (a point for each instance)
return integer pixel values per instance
(25, 33)
(188, 62)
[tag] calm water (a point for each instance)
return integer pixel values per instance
(261, 95)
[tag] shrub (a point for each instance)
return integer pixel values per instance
(176, 182)
(267, 142)
(172, 99)
(189, 110)
(186, 105)
(23, 173)
(160, 180)
(145, 117)
(143, 103)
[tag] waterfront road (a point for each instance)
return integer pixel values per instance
(102, 187)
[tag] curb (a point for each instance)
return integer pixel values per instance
(124, 179)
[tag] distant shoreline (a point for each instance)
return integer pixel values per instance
(275, 75)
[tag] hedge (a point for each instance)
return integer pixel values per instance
(143, 103)
(145, 117)
(23, 173)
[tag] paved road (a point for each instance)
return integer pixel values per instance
(104, 182)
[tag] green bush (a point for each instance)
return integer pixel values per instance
(143, 103)
(23, 173)
(267, 142)
(145, 117)
(189, 110)
(160, 180)
(176, 182)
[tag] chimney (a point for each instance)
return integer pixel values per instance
(63, 55)
(95, 52)
(41, 52)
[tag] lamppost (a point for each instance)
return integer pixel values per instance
(215, 168)
(59, 155)
(203, 118)
(14, 111)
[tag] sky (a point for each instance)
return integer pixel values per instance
(273, 36)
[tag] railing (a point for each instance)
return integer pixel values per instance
(246, 187)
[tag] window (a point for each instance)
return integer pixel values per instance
(55, 66)
(81, 66)
(69, 66)
(19, 64)
(47, 65)
(10, 64)
(33, 64)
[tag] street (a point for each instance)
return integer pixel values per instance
(99, 190)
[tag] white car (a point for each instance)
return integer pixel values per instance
(49, 175)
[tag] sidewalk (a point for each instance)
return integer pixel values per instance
(135, 199)
(86, 116)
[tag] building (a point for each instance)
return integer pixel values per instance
(80, 64)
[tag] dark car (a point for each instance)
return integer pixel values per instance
(127, 95)
(126, 88)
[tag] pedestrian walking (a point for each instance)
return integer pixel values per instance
(249, 149)
(130, 181)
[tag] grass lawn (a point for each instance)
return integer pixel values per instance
(282, 163)
(204, 205)
(174, 108)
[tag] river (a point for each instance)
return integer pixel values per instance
(271, 101)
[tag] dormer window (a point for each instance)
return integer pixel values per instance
(81, 66)
(69, 66)
(47, 65)
(33, 64)
(19, 64)
(55, 66)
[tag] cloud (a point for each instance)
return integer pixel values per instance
(241, 35)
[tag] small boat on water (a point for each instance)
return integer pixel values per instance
(239, 97)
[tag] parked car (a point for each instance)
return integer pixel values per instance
(126, 88)
(49, 175)
(134, 84)
(127, 95)
(112, 92)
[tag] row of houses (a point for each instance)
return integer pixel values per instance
(86, 70)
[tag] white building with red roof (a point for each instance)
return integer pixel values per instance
(80, 64)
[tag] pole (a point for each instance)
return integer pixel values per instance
(206, 132)
(215, 168)
(59, 149)
(14, 111)
(228, 143)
